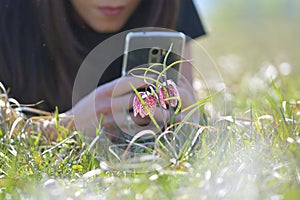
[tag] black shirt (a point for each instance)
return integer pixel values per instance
(189, 21)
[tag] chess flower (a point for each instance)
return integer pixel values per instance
(167, 95)
(171, 89)
(150, 101)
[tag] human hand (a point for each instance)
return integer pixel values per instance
(164, 104)
(112, 100)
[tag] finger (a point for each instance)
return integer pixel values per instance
(125, 124)
(121, 86)
(139, 120)
(125, 119)
(112, 106)
(123, 102)
(130, 125)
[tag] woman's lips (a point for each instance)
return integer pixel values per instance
(111, 11)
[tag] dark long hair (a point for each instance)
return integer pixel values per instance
(39, 52)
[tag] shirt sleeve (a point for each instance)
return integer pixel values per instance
(189, 21)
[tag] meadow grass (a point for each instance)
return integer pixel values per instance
(252, 154)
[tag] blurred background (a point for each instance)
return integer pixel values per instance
(258, 29)
(253, 42)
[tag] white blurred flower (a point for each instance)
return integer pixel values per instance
(285, 68)
(257, 84)
(270, 72)
(230, 62)
(197, 84)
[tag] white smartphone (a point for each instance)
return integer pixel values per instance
(145, 48)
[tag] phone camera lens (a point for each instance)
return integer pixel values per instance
(154, 51)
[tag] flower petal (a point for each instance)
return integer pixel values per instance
(162, 96)
(136, 105)
(150, 101)
(173, 92)
(138, 108)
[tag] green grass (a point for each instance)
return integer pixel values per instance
(254, 153)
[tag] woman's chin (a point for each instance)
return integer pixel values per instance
(108, 28)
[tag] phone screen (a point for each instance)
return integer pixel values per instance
(142, 49)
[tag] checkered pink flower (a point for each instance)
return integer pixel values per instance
(149, 99)
(173, 92)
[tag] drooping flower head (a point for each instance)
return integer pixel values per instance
(149, 99)
(171, 88)
(165, 91)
